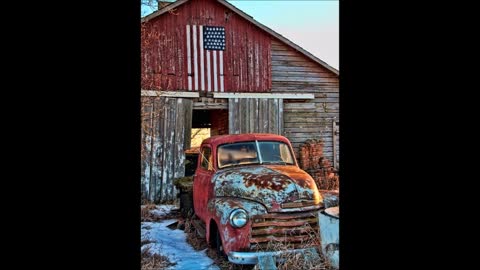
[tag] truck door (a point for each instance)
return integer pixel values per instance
(202, 186)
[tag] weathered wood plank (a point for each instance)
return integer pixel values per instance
(257, 114)
(306, 114)
(210, 106)
(147, 120)
(188, 103)
(153, 93)
(272, 115)
(298, 124)
(305, 88)
(264, 95)
(293, 63)
(298, 58)
(252, 117)
(156, 148)
(310, 129)
(280, 117)
(178, 146)
(231, 116)
(321, 107)
(290, 119)
(243, 116)
(295, 69)
(302, 79)
(261, 115)
(172, 104)
(307, 74)
(296, 84)
(335, 143)
(325, 139)
(234, 116)
(304, 106)
(277, 51)
(265, 122)
(327, 95)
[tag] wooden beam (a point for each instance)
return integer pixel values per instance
(150, 93)
(210, 106)
(263, 95)
(304, 106)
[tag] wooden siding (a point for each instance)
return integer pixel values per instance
(336, 144)
(164, 129)
(255, 115)
(246, 59)
(292, 72)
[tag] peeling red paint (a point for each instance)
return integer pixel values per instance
(246, 58)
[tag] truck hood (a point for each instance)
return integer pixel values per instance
(279, 188)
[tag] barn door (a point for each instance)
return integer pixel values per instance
(165, 123)
(255, 115)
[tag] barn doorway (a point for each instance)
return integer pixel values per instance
(205, 123)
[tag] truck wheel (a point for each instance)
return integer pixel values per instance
(218, 244)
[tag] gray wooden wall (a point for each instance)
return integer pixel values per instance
(166, 122)
(313, 119)
(255, 115)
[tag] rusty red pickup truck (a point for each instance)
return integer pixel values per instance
(249, 192)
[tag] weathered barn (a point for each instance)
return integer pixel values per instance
(207, 63)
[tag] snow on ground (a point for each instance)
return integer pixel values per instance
(173, 243)
(162, 210)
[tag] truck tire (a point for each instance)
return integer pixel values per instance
(186, 204)
(218, 244)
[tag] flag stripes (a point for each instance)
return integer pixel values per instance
(199, 59)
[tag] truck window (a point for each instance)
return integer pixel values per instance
(275, 153)
(207, 162)
(237, 154)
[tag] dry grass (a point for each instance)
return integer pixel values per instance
(192, 237)
(147, 215)
(305, 260)
(154, 261)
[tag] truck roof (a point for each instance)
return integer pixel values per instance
(221, 139)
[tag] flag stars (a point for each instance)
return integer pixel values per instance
(214, 38)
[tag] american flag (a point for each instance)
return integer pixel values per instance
(205, 44)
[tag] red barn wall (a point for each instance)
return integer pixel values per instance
(247, 57)
(219, 120)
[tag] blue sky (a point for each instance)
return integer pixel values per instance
(313, 25)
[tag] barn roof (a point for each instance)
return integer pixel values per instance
(250, 19)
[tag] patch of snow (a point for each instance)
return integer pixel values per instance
(173, 244)
(162, 210)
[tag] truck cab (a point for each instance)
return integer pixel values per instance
(251, 195)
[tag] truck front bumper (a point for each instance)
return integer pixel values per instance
(252, 257)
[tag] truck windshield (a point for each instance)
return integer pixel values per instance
(244, 153)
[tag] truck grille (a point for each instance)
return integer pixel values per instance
(295, 230)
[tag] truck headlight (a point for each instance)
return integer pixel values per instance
(238, 218)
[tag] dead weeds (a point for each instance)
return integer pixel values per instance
(154, 261)
(147, 214)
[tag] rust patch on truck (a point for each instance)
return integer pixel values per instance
(265, 181)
